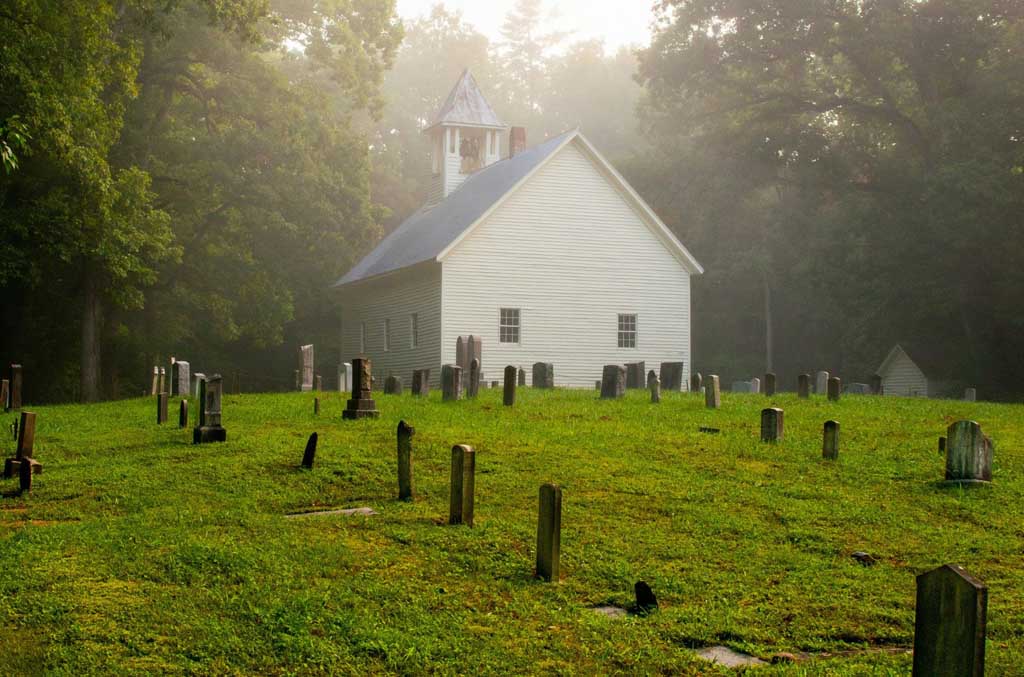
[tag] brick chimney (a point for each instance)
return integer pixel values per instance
(517, 141)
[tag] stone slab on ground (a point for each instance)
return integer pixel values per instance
(723, 655)
(610, 611)
(346, 512)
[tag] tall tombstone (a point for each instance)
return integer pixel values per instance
(156, 381)
(463, 484)
(543, 375)
(769, 384)
(949, 624)
(549, 532)
(181, 378)
(201, 397)
(613, 382)
(970, 395)
(654, 385)
(509, 399)
(211, 430)
(876, 384)
(25, 449)
(462, 357)
(821, 382)
(183, 413)
(451, 383)
(161, 408)
(830, 441)
(197, 379)
(635, 372)
(772, 428)
(405, 433)
(835, 387)
(755, 385)
(712, 393)
(421, 382)
(318, 383)
(345, 377)
(309, 455)
(16, 387)
(163, 381)
(361, 405)
(651, 377)
(697, 383)
(521, 379)
(671, 375)
(474, 375)
(968, 454)
(474, 351)
(5, 394)
(306, 368)
(803, 385)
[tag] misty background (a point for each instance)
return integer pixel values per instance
(187, 178)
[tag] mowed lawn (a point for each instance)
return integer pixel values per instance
(138, 553)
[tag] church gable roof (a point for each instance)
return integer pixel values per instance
(466, 105)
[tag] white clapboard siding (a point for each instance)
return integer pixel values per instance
(903, 378)
(396, 297)
(571, 253)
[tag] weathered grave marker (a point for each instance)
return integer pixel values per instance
(309, 455)
(543, 375)
(474, 351)
(155, 389)
(181, 378)
(16, 387)
(522, 377)
(857, 389)
(613, 382)
(361, 405)
(298, 379)
(671, 375)
(755, 385)
(635, 375)
(474, 376)
(876, 385)
(697, 383)
(316, 406)
(597, 385)
(821, 382)
(463, 484)
(712, 393)
(306, 368)
(646, 602)
(183, 414)
(549, 532)
(772, 428)
(949, 624)
(405, 433)
(651, 376)
(830, 440)
(451, 383)
(161, 408)
(318, 383)
(421, 383)
(495, 384)
(835, 386)
(201, 397)
(769, 384)
(393, 385)
(741, 387)
(803, 385)
(968, 454)
(971, 395)
(509, 396)
(655, 387)
(211, 430)
(345, 377)
(198, 378)
(162, 387)
(25, 471)
(25, 448)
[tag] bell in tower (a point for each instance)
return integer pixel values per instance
(466, 136)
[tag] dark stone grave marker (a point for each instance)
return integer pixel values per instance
(949, 626)
(405, 433)
(549, 532)
(309, 455)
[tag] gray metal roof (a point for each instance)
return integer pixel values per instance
(428, 232)
(466, 105)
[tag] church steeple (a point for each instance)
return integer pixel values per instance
(466, 136)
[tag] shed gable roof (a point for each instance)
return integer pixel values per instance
(895, 354)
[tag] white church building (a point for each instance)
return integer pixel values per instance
(547, 254)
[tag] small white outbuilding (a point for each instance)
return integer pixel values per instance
(901, 376)
(546, 253)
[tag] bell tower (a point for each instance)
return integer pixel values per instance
(465, 137)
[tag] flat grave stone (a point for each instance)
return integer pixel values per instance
(347, 512)
(724, 656)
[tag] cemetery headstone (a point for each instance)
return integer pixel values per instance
(741, 387)
(968, 454)
(298, 379)
(635, 372)
(163, 381)
(201, 397)
(198, 378)
(522, 377)
(405, 433)
(318, 383)
(857, 389)
(474, 351)
(697, 383)
(495, 384)
(769, 384)
(16, 386)
(474, 376)
(712, 393)
(803, 385)
(613, 382)
(361, 405)
(772, 428)
(949, 624)
(876, 385)
(970, 395)
(25, 477)
(509, 396)
(462, 353)
(755, 385)
(451, 383)
(597, 385)
(306, 368)
(310, 453)
(821, 382)
(543, 375)
(549, 532)
(646, 602)
(463, 484)
(421, 382)
(316, 406)
(25, 448)
(345, 377)
(156, 381)
(183, 414)
(830, 441)
(181, 378)
(835, 386)
(671, 375)
(161, 408)
(211, 430)
(655, 386)
(393, 385)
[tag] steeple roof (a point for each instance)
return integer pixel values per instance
(466, 105)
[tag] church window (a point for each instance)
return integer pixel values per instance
(362, 337)
(627, 331)
(414, 329)
(387, 334)
(508, 329)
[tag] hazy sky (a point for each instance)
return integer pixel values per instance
(617, 22)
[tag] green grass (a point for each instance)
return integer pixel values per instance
(138, 553)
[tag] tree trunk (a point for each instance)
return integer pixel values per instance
(769, 337)
(92, 323)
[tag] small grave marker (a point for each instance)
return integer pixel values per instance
(821, 382)
(345, 377)
(451, 383)
(942, 445)
(968, 454)
(155, 389)
(697, 383)
(316, 406)
(183, 414)
(405, 433)
(830, 441)
(25, 476)
(463, 484)
(211, 430)
(181, 378)
(949, 624)
(25, 448)
(306, 368)
(162, 386)
(509, 398)
(393, 385)
(803, 385)
(309, 455)
(318, 383)
(522, 377)
(543, 375)
(671, 375)
(474, 377)
(876, 385)
(421, 383)
(655, 387)
(161, 408)
(772, 420)
(971, 395)
(549, 532)
(835, 386)
(712, 393)
(646, 602)
(361, 405)
(769, 384)
(635, 375)
(613, 382)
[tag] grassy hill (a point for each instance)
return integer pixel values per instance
(140, 553)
